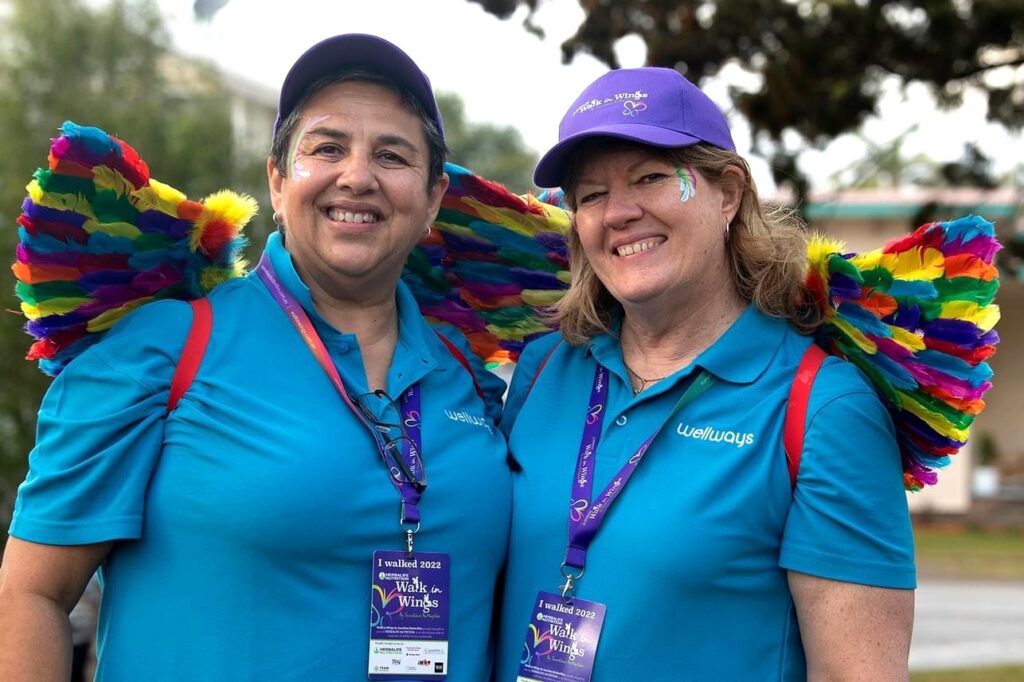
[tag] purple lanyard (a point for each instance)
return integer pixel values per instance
(586, 515)
(409, 405)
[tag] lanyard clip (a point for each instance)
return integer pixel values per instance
(569, 588)
(410, 531)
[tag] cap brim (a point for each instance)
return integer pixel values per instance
(355, 50)
(550, 169)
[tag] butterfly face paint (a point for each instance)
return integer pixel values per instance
(298, 171)
(687, 183)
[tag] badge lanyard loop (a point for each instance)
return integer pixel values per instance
(585, 514)
(409, 403)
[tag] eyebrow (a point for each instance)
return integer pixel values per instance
(629, 169)
(324, 131)
(386, 139)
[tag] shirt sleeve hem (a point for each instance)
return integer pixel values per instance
(78, 532)
(848, 570)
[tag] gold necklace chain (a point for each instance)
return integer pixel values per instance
(643, 382)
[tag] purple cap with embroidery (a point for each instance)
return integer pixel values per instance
(650, 105)
(350, 50)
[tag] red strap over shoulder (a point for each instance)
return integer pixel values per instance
(536, 375)
(192, 353)
(458, 355)
(796, 409)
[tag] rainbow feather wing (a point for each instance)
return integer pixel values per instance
(492, 263)
(98, 237)
(917, 317)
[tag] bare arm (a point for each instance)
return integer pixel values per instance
(853, 632)
(39, 585)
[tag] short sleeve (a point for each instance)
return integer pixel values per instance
(849, 519)
(100, 432)
(491, 385)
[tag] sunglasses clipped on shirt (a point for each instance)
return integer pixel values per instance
(396, 445)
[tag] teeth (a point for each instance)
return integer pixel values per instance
(637, 247)
(349, 217)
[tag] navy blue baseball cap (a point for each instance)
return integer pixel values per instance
(349, 50)
(650, 105)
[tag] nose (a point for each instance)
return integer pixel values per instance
(620, 209)
(356, 175)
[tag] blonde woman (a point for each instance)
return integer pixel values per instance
(652, 486)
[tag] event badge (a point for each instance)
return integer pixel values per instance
(409, 603)
(561, 641)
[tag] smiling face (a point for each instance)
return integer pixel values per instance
(353, 195)
(653, 232)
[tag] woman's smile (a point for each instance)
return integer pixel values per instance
(639, 246)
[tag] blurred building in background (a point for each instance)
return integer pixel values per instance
(252, 105)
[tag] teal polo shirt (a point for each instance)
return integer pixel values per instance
(692, 559)
(246, 520)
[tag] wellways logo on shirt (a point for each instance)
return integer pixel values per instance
(713, 435)
(467, 418)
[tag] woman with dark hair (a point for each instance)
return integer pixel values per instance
(309, 477)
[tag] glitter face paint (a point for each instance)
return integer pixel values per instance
(687, 183)
(294, 158)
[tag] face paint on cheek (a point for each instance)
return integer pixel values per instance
(294, 158)
(687, 183)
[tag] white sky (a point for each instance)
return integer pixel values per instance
(507, 76)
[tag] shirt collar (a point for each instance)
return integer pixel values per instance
(417, 343)
(739, 356)
(288, 276)
(744, 351)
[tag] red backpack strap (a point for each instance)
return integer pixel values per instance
(458, 355)
(796, 409)
(543, 362)
(192, 353)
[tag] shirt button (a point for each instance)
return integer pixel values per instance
(621, 421)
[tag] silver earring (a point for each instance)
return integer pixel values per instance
(427, 230)
(728, 224)
(277, 219)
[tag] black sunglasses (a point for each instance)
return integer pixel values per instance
(396, 441)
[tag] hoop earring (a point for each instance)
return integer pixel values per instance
(428, 230)
(728, 224)
(276, 217)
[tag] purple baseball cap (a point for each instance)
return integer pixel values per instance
(650, 105)
(371, 53)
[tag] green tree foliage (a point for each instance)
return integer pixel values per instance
(495, 152)
(887, 165)
(112, 68)
(822, 61)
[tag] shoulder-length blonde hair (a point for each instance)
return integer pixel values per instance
(766, 245)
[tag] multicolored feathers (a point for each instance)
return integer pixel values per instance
(917, 317)
(492, 263)
(98, 237)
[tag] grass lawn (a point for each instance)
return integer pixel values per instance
(957, 553)
(1003, 674)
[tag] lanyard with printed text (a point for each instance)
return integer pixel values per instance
(585, 514)
(401, 456)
